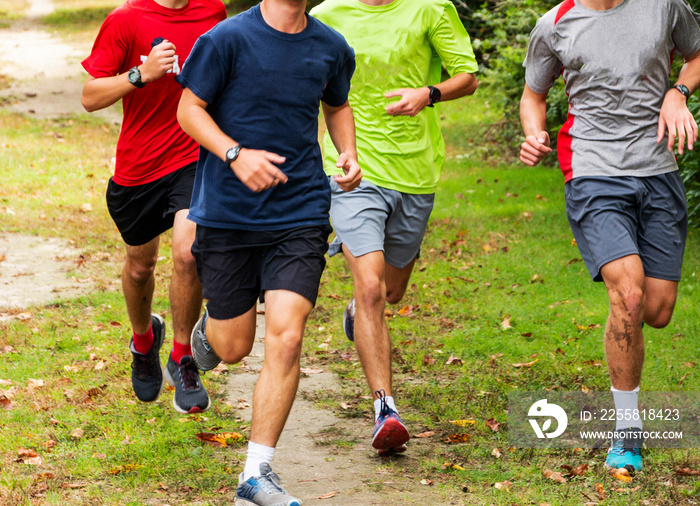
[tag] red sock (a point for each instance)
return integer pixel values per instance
(143, 342)
(180, 350)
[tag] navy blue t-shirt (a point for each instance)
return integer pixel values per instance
(264, 89)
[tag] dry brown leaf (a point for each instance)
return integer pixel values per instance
(457, 438)
(406, 311)
(426, 481)
(77, 433)
(220, 440)
(503, 485)
(505, 324)
(86, 208)
(621, 474)
(493, 424)
(600, 490)
(26, 453)
(454, 361)
(35, 383)
(496, 453)
(428, 360)
(328, 495)
(579, 470)
(526, 364)
(554, 476)
(427, 433)
(686, 471)
(463, 423)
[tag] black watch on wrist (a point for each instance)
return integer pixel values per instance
(434, 96)
(232, 154)
(134, 77)
(684, 90)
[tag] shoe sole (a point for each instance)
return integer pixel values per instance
(391, 451)
(351, 334)
(392, 436)
(196, 345)
(193, 409)
(244, 502)
(630, 468)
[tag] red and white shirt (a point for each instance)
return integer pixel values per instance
(151, 143)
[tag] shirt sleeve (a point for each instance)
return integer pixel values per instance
(451, 42)
(542, 67)
(336, 92)
(111, 46)
(685, 31)
(205, 71)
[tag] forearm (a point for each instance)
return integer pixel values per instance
(198, 124)
(690, 73)
(341, 127)
(533, 112)
(102, 92)
(457, 86)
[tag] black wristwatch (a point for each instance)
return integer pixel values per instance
(683, 89)
(232, 154)
(434, 96)
(134, 77)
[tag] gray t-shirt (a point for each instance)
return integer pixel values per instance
(616, 66)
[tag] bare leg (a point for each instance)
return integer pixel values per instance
(138, 282)
(185, 289)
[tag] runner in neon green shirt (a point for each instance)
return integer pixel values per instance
(400, 46)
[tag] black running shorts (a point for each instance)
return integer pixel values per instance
(236, 267)
(143, 212)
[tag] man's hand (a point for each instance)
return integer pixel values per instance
(413, 101)
(160, 60)
(677, 119)
(257, 170)
(535, 148)
(353, 174)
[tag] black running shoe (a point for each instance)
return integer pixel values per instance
(146, 371)
(190, 396)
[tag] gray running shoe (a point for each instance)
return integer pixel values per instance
(190, 396)
(204, 357)
(349, 320)
(264, 490)
(146, 371)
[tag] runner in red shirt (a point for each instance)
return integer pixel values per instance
(139, 50)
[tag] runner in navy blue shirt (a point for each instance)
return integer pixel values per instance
(253, 86)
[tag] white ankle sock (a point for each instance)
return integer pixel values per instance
(257, 454)
(378, 405)
(626, 402)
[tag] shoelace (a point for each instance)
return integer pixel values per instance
(144, 366)
(270, 483)
(188, 375)
(384, 409)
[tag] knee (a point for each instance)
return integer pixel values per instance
(659, 317)
(233, 352)
(140, 271)
(371, 294)
(287, 350)
(628, 300)
(394, 296)
(183, 260)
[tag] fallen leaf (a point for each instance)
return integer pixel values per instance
(686, 471)
(621, 474)
(463, 423)
(427, 433)
(5, 382)
(328, 495)
(493, 424)
(579, 470)
(505, 324)
(554, 476)
(220, 440)
(86, 208)
(450, 465)
(309, 370)
(24, 316)
(426, 481)
(600, 490)
(124, 468)
(406, 311)
(496, 453)
(503, 485)
(454, 361)
(428, 360)
(26, 453)
(457, 438)
(43, 476)
(526, 364)
(77, 433)
(35, 383)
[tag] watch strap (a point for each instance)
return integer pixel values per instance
(683, 89)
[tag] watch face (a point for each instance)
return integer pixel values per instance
(134, 77)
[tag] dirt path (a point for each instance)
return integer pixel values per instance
(312, 467)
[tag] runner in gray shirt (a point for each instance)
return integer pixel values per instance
(624, 197)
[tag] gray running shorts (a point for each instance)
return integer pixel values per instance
(371, 218)
(612, 217)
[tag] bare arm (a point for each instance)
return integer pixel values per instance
(533, 116)
(102, 92)
(675, 116)
(341, 128)
(257, 169)
(414, 100)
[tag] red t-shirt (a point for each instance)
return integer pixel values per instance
(151, 143)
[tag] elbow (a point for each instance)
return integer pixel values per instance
(182, 118)
(473, 85)
(88, 104)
